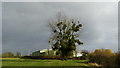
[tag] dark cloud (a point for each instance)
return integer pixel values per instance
(25, 25)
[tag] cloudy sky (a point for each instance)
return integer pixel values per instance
(25, 24)
(0, 28)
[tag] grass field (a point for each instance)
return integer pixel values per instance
(36, 62)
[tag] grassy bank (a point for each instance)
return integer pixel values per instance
(35, 62)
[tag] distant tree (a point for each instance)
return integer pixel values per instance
(0, 56)
(18, 54)
(48, 52)
(108, 51)
(65, 35)
(97, 51)
(84, 54)
(103, 52)
(7, 54)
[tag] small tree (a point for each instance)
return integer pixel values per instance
(7, 55)
(84, 54)
(18, 54)
(65, 35)
(108, 51)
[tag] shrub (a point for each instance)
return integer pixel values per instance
(7, 55)
(117, 60)
(103, 57)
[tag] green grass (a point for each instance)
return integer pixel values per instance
(37, 62)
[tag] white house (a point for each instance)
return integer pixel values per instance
(43, 52)
(46, 52)
(78, 54)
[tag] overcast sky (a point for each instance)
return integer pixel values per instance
(59, 0)
(25, 24)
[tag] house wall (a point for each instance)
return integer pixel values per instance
(46, 53)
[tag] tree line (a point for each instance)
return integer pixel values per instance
(11, 55)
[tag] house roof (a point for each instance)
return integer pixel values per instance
(44, 50)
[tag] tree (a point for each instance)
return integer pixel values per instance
(65, 35)
(84, 54)
(18, 54)
(7, 54)
(108, 51)
(97, 51)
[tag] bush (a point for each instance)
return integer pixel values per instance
(117, 59)
(103, 57)
(8, 55)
